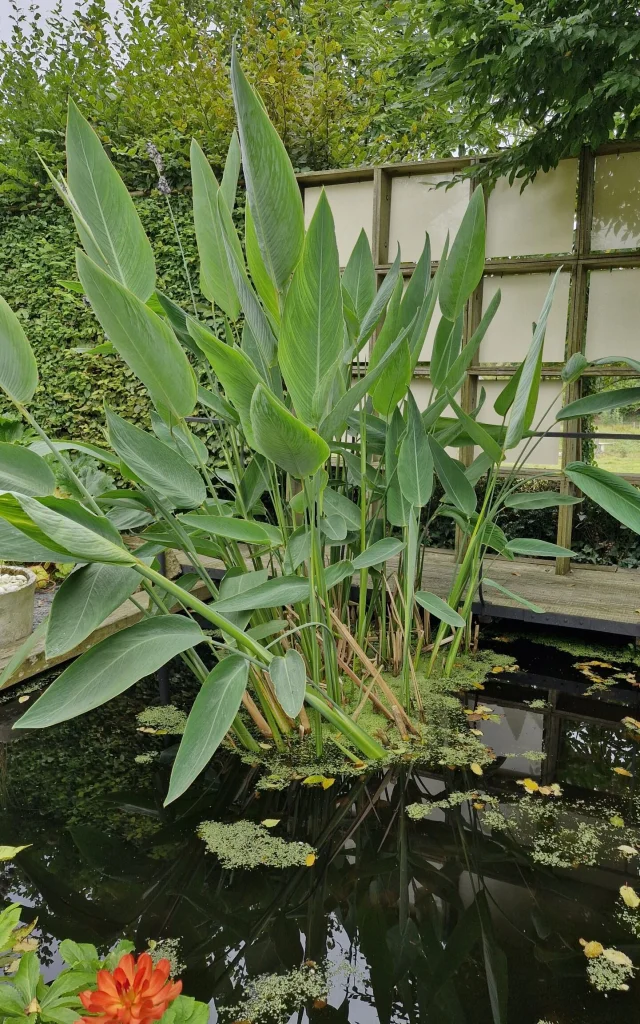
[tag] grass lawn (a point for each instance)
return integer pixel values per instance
(619, 456)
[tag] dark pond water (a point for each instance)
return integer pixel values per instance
(447, 920)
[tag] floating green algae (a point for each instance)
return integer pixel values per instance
(626, 655)
(419, 811)
(608, 975)
(167, 949)
(245, 844)
(274, 998)
(165, 718)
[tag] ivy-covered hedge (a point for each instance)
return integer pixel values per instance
(37, 253)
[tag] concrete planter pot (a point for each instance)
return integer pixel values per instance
(16, 605)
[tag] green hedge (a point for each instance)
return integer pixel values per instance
(37, 252)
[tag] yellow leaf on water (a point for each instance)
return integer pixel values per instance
(270, 822)
(497, 669)
(553, 790)
(628, 851)
(25, 946)
(9, 852)
(318, 780)
(530, 785)
(478, 805)
(25, 697)
(475, 768)
(616, 821)
(630, 896)
(616, 956)
(476, 732)
(591, 949)
(310, 860)
(12, 967)
(327, 783)
(623, 771)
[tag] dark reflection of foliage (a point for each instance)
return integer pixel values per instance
(589, 753)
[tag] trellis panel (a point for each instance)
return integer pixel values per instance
(616, 202)
(613, 322)
(418, 206)
(537, 220)
(509, 334)
(352, 208)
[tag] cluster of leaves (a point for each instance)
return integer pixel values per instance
(563, 71)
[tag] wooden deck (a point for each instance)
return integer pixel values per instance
(599, 598)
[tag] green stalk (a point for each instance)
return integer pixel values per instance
(66, 465)
(333, 714)
(364, 573)
(411, 552)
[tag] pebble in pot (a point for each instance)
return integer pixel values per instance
(17, 594)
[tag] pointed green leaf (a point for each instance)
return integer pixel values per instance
(68, 525)
(156, 464)
(465, 262)
(456, 485)
(541, 548)
(391, 387)
(574, 367)
(436, 606)
(359, 277)
(231, 173)
(272, 189)
(337, 572)
(504, 401)
(18, 369)
(379, 304)
(211, 716)
(457, 370)
(379, 552)
(336, 503)
(274, 593)
(539, 499)
(110, 668)
(216, 282)
(486, 582)
(17, 660)
(616, 496)
(16, 546)
(335, 421)
(477, 433)
(283, 439)
(396, 505)
(85, 599)
(601, 401)
(109, 226)
(289, 678)
(446, 349)
(312, 334)
(23, 471)
(143, 339)
(245, 531)
(261, 280)
(415, 464)
(416, 291)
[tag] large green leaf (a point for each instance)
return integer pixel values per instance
(272, 189)
(335, 421)
(539, 499)
(336, 503)
(616, 496)
(109, 226)
(456, 485)
(486, 582)
(456, 371)
(397, 507)
(234, 370)
(446, 349)
(16, 546)
(416, 291)
(85, 447)
(261, 280)
(84, 600)
(211, 716)
(359, 277)
(67, 524)
(436, 606)
(143, 339)
(18, 369)
(216, 282)
(111, 667)
(415, 464)
(465, 261)
(601, 401)
(156, 464)
(289, 677)
(391, 387)
(231, 172)
(23, 471)
(526, 396)
(283, 439)
(477, 432)
(541, 548)
(246, 531)
(278, 591)
(379, 303)
(378, 552)
(312, 334)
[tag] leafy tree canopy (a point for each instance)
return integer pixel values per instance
(565, 72)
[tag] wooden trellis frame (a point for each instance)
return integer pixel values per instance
(578, 263)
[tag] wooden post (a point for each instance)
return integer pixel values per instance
(572, 446)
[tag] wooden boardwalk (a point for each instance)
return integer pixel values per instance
(599, 598)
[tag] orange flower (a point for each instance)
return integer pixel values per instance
(136, 992)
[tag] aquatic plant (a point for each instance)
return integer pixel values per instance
(245, 844)
(328, 476)
(274, 997)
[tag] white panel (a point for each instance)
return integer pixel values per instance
(418, 206)
(538, 220)
(614, 314)
(510, 332)
(547, 452)
(616, 202)
(352, 208)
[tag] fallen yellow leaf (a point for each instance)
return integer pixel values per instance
(616, 956)
(310, 860)
(9, 852)
(25, 946)
(318, 780)
(591, 949)
(478, 806)
(553, 790)
(270, 822)
(475, 768)
(628, 851)
(33, 1007)
(623, 771)
(630, 896)
(25, 697)
(530, 785)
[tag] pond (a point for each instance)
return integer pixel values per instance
(439, 897)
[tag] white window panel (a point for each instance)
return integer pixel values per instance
(509, 335)
(418, 206)
(614, 314)
(547, 451)
(616, 202)
(536, 221)
(352, 208)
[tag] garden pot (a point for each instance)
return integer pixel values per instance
(16, 605)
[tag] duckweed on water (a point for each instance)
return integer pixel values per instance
(627, 655)
(147, 758)
(167, 949)
(417, 812)
(245, 844)
(164, 717)
(274, 997)
(610, 975)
